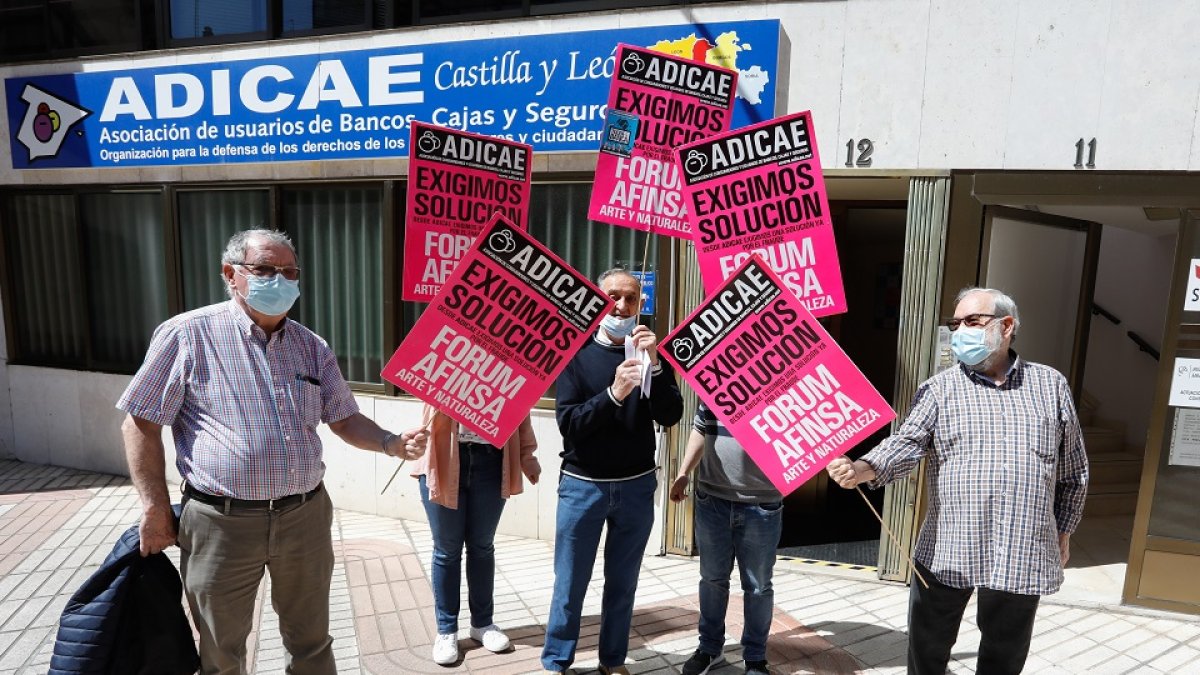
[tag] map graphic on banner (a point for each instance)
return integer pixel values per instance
(656, 103)
(246, 104)
(773, 376)
(760, 190)
(456, 182)
(503, 327)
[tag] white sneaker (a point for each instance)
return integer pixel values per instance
(491, 637)
(445, 649)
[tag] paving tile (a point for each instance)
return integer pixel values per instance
(382, 617)
(22, 649)
(1119, 664)
(1150, 648)
(25, 614)
(1184, 632)
(7, 638)
(1177, 659)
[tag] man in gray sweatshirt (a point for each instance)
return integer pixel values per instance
(739, 514)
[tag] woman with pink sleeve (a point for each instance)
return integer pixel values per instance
(464, 482)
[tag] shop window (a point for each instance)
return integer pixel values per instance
(125, 265)
(22, 30)
(299, 16)
(201, 19)
(90, 275)
(49, 325)
(338, 232)
(207, 219)
(91, 25)
(42, 29)
(438, 11)
(558, 219)
(443, 11)
(88, 278)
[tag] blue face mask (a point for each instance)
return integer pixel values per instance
(273, 295)
(971, 345)
(618, 327)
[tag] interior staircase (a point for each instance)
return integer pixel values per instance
(1115, 468)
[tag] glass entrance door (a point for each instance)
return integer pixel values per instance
(1164, 557)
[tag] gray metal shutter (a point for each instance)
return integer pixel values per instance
(924, 251)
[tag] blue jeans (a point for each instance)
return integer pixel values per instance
(584, 507)
(472, 524)
(750, 533)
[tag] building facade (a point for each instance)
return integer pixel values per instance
(1046, 148)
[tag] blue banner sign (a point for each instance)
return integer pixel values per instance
(546, 90)
(647, 279)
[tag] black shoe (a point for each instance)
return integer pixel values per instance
(757, 668)
(700, 663)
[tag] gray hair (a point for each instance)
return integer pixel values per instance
(235, 250)
(616, 271)
(1003, 305)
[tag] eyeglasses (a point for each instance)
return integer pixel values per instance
(972, 321)
(267, 271)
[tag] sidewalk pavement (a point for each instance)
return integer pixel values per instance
(57, 525)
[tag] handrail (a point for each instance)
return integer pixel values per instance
(1097, 309)
(1138, 340)
(1142, 344)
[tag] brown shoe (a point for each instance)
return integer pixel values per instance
(614, 670)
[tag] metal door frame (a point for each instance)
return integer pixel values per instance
(1087, 286)
(1178, 336)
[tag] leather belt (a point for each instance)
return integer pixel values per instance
(481, 446)
(229, 503)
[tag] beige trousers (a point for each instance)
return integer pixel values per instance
(222, 561)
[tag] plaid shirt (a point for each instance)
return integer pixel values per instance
(1007, 472)
(243, 409)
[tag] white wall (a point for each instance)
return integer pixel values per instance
(7, 444)
(1040, 267)
(935, 84)
(355, 478)
(1133, 282)
(68, 418)
(997, 83)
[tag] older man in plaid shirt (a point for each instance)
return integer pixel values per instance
(1007, 479)
(243, 390)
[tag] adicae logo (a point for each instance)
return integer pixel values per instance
(502, 241)
(683, 348)
(695, 162)
(633, 64)
(48, 119)
(429, 142)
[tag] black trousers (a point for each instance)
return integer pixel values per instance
(934, 614)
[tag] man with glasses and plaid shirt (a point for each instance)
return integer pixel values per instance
(1007, 477)
(244, 390)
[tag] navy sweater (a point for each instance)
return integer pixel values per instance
(602, 440)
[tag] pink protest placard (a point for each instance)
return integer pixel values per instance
(456, 182)
(502, 328)
(656, 102)
(760, 190)
(773, 376)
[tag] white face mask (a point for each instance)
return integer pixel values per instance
(618, 327)
(974, 346)
(272, 296)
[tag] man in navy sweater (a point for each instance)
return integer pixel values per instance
(609, 474)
